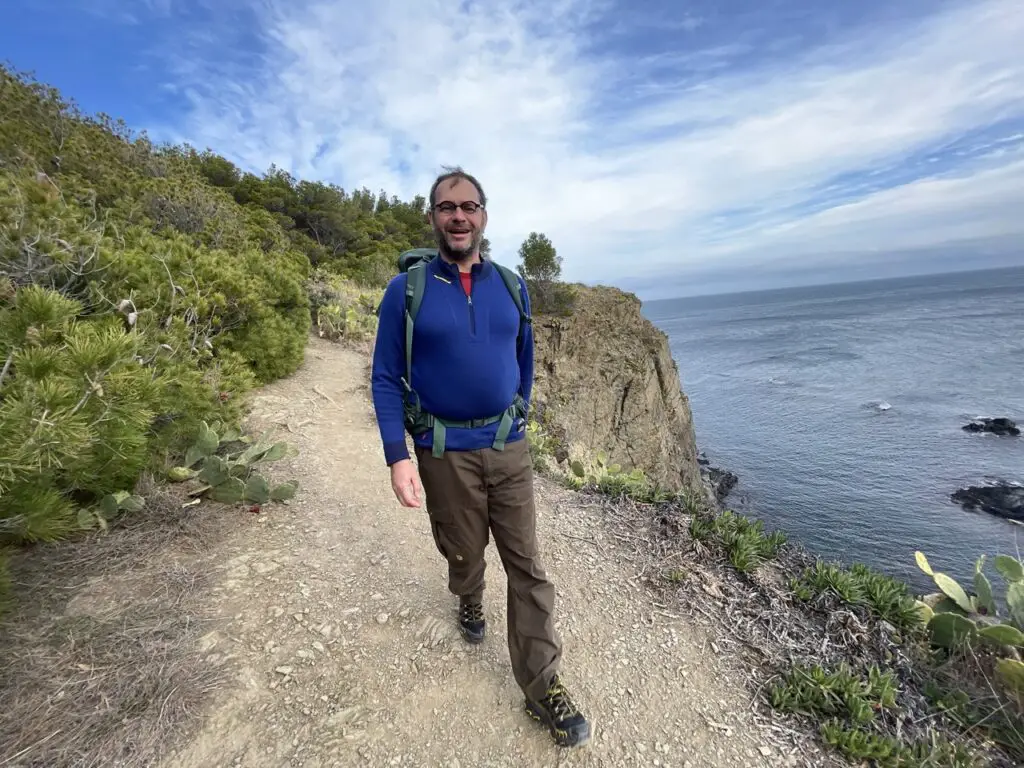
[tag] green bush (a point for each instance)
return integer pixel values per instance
(342, 309)
(552, 298)
(86, 405)
(136, 303)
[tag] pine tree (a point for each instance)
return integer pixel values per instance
(541, 267)
(539, 261)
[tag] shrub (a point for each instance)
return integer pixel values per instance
(852, 711)
(342, 309)
(552, 298)
(135, 304)
(86, 405)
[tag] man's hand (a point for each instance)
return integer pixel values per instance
(405, 482)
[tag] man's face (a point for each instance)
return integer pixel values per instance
(458, 233)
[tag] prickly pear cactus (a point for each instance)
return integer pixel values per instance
(224, 463)
(1011, 675)
(954, 617)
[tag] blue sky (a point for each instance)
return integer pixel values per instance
(666, 147)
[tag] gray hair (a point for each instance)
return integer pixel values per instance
(454, 174)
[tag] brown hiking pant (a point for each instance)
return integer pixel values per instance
(469, 493)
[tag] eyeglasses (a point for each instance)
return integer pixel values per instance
(467, 207)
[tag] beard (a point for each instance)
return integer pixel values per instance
(462, 253)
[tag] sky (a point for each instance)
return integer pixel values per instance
(667, 147)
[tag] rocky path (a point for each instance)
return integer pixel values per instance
(335, 612)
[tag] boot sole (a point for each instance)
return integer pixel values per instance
(573, 739)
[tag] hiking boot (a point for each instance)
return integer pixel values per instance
(471, 620)
(556, 710)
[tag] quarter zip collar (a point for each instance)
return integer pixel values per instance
(479, 270)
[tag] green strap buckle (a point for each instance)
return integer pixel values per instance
(503, 429)
(437, 447)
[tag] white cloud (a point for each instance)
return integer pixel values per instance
(382, 94)
(915, 215)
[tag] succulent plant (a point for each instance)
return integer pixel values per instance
(954, 617)
(109, 507)
(226, 473)
(1011, 674)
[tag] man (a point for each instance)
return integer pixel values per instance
(472, 373)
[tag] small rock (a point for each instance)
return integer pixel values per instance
(998, 426)
(382, 618)
(285, 670)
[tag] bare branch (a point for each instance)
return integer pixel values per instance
(7, 367)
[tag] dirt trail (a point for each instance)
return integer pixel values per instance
(336, 614)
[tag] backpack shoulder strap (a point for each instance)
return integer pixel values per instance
(415, 281)
(511, 280)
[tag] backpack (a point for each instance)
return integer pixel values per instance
(413, 262)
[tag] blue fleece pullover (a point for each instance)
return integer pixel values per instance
(465, 364)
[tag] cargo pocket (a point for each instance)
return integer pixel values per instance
(446, 540)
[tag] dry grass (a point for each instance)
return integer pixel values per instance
(100, 659)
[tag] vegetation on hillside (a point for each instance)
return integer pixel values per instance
(144, 290)
(883, 677)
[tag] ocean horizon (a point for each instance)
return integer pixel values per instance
(840, 409)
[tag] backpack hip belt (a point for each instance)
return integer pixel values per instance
(418, 421)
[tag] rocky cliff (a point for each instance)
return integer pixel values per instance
(606, 380)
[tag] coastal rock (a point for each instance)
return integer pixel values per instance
(722, 482)
(719, 482)
(1002, 499)
(999, 426)
(605, 380)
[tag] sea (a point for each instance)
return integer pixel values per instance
(840, 409)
